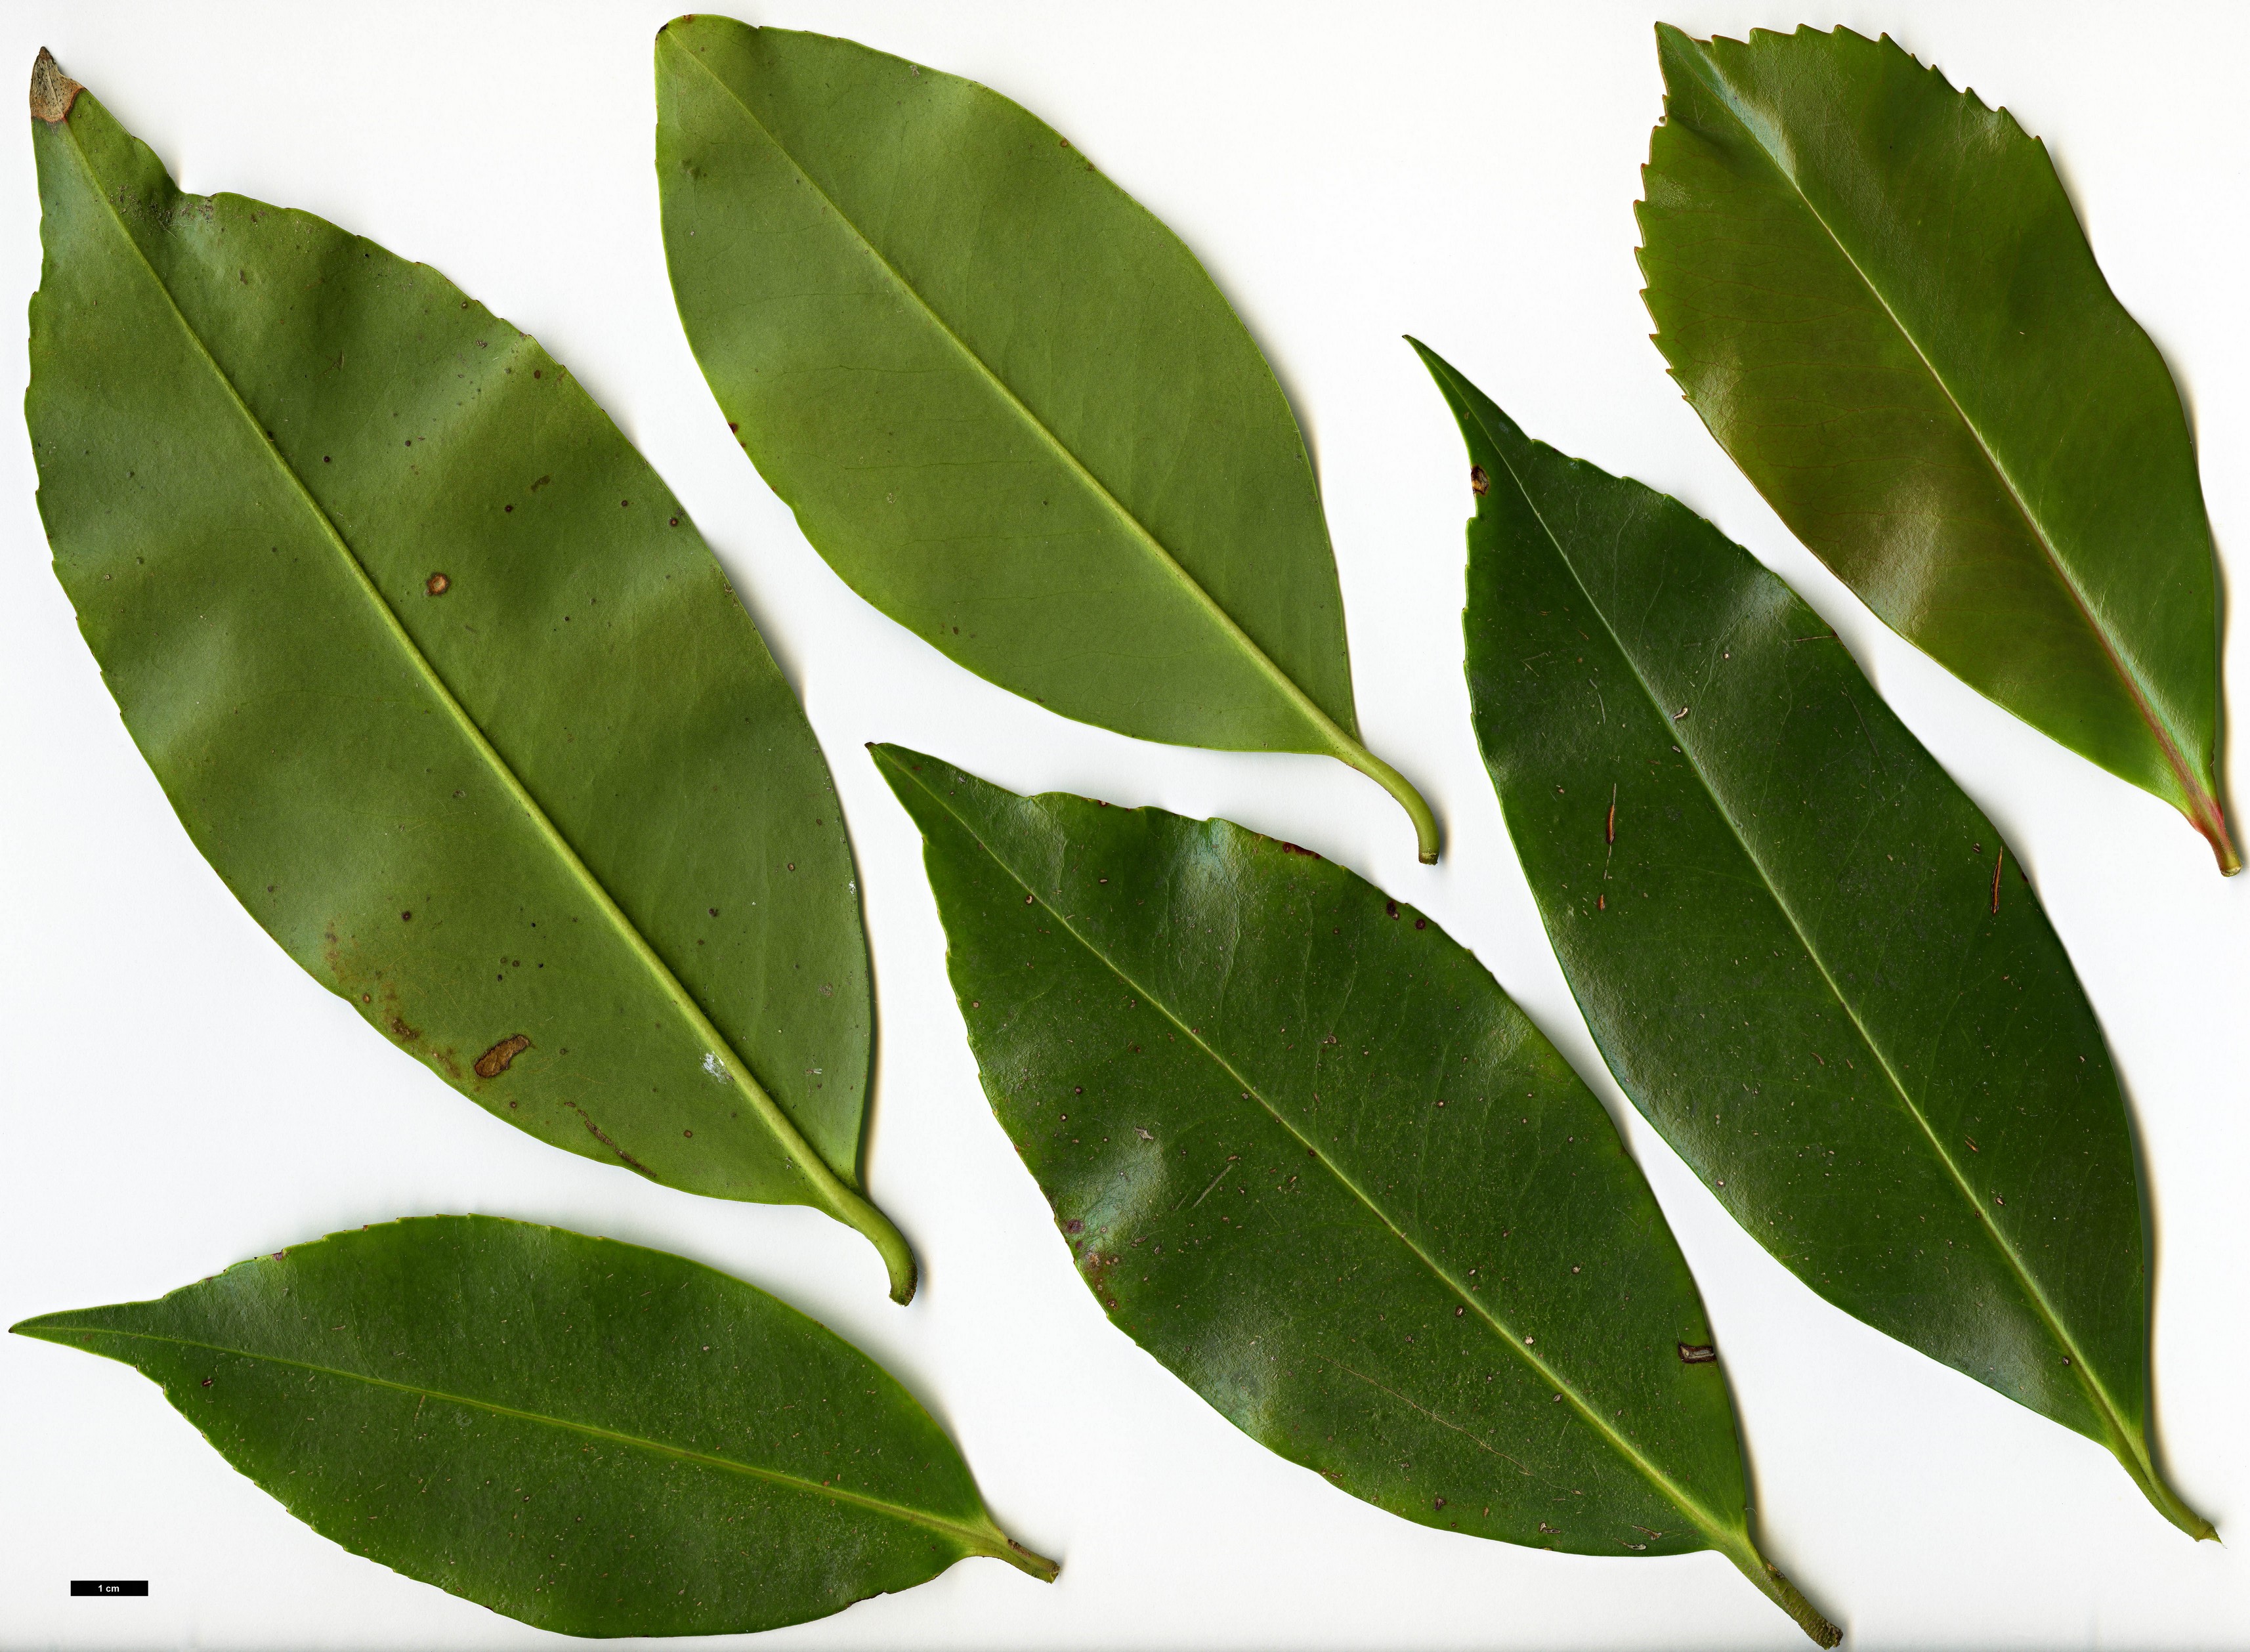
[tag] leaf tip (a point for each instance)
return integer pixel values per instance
(53, 92)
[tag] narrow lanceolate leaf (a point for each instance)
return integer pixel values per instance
(591, 1437)
(1310, 1156)
(1875, 291)
(443, 683)
(1809, 959)
(1005, 403)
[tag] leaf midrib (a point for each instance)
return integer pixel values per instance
(975, 1541)
(1341, 742)
(2105, 1410)
(2205, 803)
(1723, 1537)
(809, 1164)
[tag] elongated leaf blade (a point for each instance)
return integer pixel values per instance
(1803, 952)
(1310, 1156)
(443, 683)
(1874, 290)
(1005, 403)
(591, 1437)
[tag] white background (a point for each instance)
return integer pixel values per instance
(178, 1096)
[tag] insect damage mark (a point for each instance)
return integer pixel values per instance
(595, 1130)
(1479, 484)
(53, 92)
(1997, 862)
(1697, 1354)
(402, 1031)
(494, 1062)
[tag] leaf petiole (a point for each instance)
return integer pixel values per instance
(1426, 823)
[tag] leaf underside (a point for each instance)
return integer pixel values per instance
(1309, 1155)
(590, 1437)
(1806, 956)
(444, 685)
(1875, 293)
(1006, 404)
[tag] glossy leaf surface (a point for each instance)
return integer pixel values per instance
(1806, 956)
(1876, 294)
(1005, 403)
(589, 1436)
(1309, 1155)
(443, 683)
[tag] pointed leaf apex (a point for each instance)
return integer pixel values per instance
(53, 92)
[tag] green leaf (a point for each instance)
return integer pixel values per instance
(589, 1436)
(1875, 293)
(1805, 955)
(1005, 403)
(441, 680)
(1310, 1156)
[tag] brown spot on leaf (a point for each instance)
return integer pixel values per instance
(1479, 482)
(437, 585)
(402, 1032)
(1291, 848)
(53, 92)
(1097, 1274)
(494, 1061)
(1697, 1354)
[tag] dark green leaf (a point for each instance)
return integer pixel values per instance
(1004, 402)
(591, 1437)
(1875, 293)
(443, 683)
(1806, 956)
(1310, 1156)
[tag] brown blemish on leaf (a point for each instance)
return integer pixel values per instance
(437, 585)
(1478, 483)
(53, 92)
(1097, 1274)
(402, 1032)
(599, 1135)
(494, 1061)
(1291, 848)
(1697, 1354)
